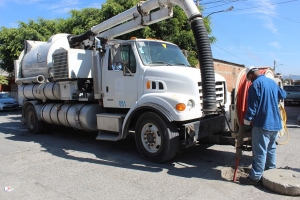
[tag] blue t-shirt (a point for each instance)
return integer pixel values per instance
(263, 109)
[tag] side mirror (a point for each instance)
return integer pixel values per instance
(117, 66)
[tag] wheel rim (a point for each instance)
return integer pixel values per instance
(151, 137)
(31, 120)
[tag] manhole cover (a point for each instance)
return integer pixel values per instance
(282, 181)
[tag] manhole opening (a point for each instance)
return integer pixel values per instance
(228, 172)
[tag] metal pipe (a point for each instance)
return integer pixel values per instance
(35, 79)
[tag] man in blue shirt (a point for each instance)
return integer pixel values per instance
(263, 113)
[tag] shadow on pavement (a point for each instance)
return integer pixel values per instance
(296, 169)
(199, 161)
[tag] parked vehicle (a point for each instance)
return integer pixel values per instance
(7, 102)
(292, 93)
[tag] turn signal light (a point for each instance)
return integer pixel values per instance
(180, 107)
(148, 84)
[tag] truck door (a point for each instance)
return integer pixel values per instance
(119, 77)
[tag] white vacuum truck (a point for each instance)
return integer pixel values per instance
(93, 82)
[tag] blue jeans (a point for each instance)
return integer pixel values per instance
(264, 151)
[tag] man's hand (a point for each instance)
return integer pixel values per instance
(247, 125)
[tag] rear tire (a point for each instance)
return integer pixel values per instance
(156, 139)
(33, 124)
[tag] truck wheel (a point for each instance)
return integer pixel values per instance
(156, 139)
(33, 124)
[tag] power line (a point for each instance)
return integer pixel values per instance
(211, 2)
(234, 1)
(230, 53)
(218, 1)
(258, 7)
(271, 12)
(249, 53)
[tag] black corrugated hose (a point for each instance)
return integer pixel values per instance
(206, 65)
(79, 38)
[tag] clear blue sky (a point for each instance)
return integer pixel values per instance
(255, 32)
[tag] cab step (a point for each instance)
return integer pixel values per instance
(108, 136)
(109, 126)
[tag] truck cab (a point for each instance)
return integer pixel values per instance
(143, 78)
(142, 70)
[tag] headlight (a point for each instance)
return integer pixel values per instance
(190, 104)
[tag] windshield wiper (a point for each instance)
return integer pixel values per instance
(160, 62)
(182, 64)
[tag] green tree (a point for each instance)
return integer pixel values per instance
(297, 82)
(3, 80)
(12, 39)
(80, 21)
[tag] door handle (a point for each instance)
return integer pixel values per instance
(107, 89)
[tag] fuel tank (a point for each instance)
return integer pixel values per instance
(44, 91)
(78, 116)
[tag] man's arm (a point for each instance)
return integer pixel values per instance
(252, 104)
(281, 93)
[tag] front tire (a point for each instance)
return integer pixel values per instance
(156, 139)
(33, 124)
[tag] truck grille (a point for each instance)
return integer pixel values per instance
(60, 64)
(220, 92)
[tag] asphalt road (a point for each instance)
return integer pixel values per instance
(69, 164)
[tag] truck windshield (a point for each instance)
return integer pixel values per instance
(155, 53)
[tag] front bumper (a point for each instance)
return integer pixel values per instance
(208, 130)
(292, 100)
(9, 106)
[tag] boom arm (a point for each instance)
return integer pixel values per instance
(140, 16)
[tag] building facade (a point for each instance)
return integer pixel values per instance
(230, 71)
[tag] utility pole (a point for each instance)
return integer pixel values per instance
(275, 65)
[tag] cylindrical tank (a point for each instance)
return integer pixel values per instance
(266, 71)
(38, 61)
(269, 73)
(78, 116)
(46, 113)
(49, 90)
